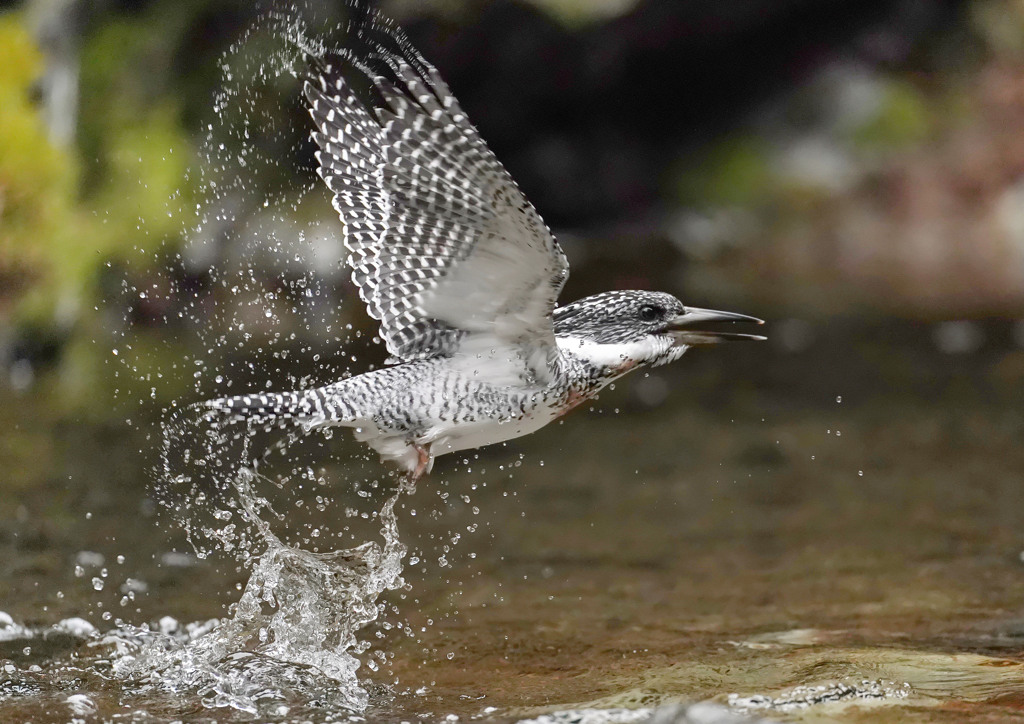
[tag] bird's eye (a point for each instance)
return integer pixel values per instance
(649, 312)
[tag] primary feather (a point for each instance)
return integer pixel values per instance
(445, 249)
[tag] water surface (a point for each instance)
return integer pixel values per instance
(781, 526)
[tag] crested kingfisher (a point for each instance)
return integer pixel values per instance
(461, 272)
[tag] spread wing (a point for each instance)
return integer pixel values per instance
(445, 249)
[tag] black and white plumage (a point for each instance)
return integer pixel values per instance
(461, 271)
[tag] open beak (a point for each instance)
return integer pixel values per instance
(681, 327)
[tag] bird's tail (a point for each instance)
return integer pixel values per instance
(309, 408)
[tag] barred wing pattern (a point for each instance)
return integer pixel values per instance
(445, 249)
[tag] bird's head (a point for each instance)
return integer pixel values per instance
(631, 328)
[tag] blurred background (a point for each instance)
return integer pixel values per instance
(851, 172)
(804, 160)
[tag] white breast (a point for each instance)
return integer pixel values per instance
(613, 356)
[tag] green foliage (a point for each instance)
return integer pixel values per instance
(130, 130)
(576, 13)
(903, 119)
(1000, 24)
(65, 212)
(40, 226)
(734, 172)
(54, 235)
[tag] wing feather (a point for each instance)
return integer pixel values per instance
(445, 249)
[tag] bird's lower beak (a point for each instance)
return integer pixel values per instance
(681, 327)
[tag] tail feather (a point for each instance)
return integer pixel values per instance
(310, 408)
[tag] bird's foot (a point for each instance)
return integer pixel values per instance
(423, 464)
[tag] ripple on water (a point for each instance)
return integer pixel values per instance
(802, 697)
(699, 713)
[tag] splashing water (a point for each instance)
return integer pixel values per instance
(291, 636)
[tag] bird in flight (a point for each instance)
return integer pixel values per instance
(460, 270)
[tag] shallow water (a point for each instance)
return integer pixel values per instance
(727, 544)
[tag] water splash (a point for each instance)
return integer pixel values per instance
(293, 634)
(262, 260)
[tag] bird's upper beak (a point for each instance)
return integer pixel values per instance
(681, 327)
